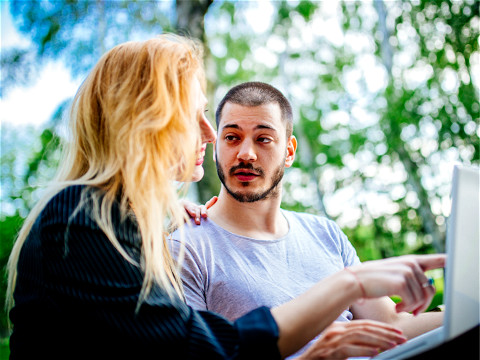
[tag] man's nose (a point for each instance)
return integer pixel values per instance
(246, 152)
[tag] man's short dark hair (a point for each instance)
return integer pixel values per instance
(255, 94)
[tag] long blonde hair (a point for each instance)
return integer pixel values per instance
(134, 129)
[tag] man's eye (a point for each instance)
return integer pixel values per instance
(264, 140)
(231, 138)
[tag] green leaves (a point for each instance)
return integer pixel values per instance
(385, 98)
(306, 9)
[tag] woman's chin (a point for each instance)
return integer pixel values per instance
(197, 174)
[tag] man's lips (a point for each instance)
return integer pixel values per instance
(245, 175)
(245, 172)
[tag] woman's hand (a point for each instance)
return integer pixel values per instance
(197, 211)
(304, 317)
(342, 340)
(403, 276)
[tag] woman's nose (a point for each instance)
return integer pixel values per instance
(207, 131)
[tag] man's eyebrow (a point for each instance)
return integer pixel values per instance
(268, 127)
(259, 126)
(231, 126)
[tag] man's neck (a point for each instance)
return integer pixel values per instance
(259, 220)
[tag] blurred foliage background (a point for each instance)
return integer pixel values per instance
(385, 97)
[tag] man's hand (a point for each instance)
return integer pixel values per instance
(342, 340)
(197, 211)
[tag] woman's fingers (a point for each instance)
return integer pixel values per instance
(374, 339)
(346, 351)
(419, 292)
(403, 276)
(414, 284)
(196, 215)
(374, 334)
(342, 340)
(203, 211)
(432, 261)
(193, 210)
(429, 290)
(198, 211)
(211, 202)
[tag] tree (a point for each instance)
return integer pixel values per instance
(190, 22)
(380, 138)
(424, 120)
(384, 93)
(79, 32)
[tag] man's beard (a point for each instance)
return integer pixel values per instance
(273, 190)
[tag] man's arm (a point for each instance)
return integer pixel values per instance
(383, 309)
(192, 276)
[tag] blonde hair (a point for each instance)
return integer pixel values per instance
(131, 120)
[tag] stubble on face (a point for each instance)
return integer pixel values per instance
(272, 192)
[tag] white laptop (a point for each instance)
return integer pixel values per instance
(461, 291)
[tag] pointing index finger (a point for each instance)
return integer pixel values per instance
(433, 261)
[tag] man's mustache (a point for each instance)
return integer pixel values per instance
(245, 166)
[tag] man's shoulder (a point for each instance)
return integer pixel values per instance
(309, 218)
(198, 241)
(190, 233)
(317, 226)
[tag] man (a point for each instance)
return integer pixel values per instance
(250, 252)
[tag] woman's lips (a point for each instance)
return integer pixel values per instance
(201, 155)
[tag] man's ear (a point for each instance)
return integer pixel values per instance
(291, 149)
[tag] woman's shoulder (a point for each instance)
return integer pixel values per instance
(69, 194)
(64, 205)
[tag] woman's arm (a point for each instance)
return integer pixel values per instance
(89, 280)
(306, 316)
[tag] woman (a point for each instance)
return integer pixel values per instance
(91, 274)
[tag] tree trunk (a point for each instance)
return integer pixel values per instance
(307, 159)
(190, 22)
(190, 17)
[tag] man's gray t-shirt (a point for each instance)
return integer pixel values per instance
(231, 274)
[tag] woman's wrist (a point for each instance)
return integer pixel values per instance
(304, 317)
(356, 283)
